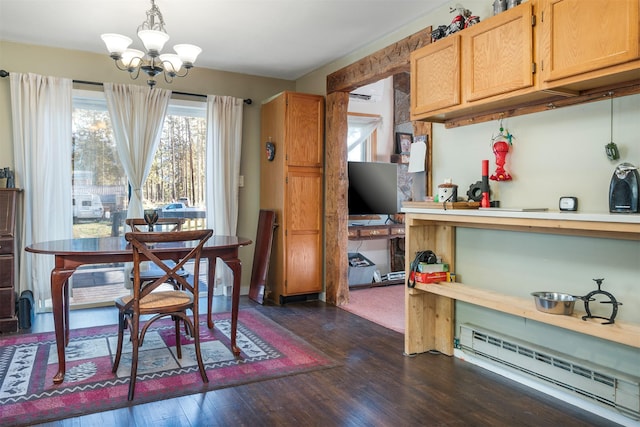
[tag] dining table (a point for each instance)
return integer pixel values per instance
(72, 253)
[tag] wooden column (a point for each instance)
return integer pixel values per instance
(386, 62)
(336, 209)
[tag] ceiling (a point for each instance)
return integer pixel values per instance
(271, 38)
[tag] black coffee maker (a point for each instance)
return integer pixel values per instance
(623, 191)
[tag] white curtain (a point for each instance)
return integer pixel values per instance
(41, 117)
(137, 114)
(224, 144)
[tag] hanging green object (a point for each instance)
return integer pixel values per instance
(612, 151)
(611, 148)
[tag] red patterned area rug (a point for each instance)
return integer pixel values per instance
(29, 362)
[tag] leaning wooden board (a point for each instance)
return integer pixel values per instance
(436, 205)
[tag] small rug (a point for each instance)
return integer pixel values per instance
(29, 362)
(383, 305)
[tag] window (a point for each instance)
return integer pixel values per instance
(101, 189)
(97, 174)
(362, 136)
(177, 172)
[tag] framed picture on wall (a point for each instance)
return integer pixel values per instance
(403, 142)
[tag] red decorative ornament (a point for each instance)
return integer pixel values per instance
(500, 145)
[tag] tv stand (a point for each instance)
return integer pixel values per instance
(394, 233)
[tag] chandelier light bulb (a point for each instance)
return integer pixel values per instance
(171, 63)
(187, 53)
(153, 40)
(116, 43)
(132, 58)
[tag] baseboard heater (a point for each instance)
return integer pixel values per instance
(596, 383)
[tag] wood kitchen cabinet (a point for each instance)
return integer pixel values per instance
(435, 76)
(491, 59)
(538, 55)
(291, 184)
(8, 212)
(588, 40)
(498, 54)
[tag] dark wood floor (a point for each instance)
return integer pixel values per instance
(374, 385)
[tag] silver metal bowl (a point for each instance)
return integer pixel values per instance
(555, 302)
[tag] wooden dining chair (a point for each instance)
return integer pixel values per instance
(163, 225)
(147, 299)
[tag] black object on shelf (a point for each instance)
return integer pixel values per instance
(612, 300)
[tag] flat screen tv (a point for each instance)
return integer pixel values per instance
(373, 188)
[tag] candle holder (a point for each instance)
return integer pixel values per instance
(150, 217)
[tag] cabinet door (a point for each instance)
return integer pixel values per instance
(8, 199)
(303, 231)
(582, 36)
(435, 76)
(6, 272)
(498, 54)
(305, 130)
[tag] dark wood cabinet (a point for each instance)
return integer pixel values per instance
(8, 211)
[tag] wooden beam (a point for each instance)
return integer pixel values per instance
(379, 65)
(336, 210)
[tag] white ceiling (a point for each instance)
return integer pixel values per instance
(271, 38)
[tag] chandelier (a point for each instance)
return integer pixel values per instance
(153, 36)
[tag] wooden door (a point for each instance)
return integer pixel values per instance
(498, 54)
(303, 231)
(435, 77)
(305, 129)
(581, 36)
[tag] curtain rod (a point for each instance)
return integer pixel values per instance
(248, 101)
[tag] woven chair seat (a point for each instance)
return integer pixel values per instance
(156, 300)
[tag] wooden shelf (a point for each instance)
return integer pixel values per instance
(430, 316)
(376, 232)
(620, 332)
(613, 226)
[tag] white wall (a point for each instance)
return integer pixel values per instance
(382, 106)
(555, 153)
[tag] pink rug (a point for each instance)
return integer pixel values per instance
(29, 362)
(382, 305)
